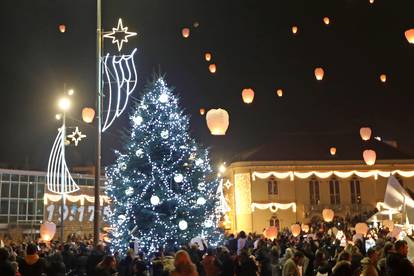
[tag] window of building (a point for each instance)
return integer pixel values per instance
(5, 186)
(274, 221)
(22, 207)
(272, 187)
(13, 207)
(334, 191)
(4, 207)
(14, 190)
(314, 191)
(355, 191)
(23, 190)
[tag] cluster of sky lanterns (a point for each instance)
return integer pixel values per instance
(369, 155)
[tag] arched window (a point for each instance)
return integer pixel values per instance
(334, 191)
(274, 221)
(314, 191)
(272, 188)
(355, 191)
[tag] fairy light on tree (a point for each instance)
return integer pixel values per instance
(162, 187)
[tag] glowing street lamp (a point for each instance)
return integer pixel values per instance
(64, 104)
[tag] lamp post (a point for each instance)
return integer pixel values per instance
(64, 105)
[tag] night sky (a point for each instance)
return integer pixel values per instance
(252, 45)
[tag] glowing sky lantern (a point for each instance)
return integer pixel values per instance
(196, 24)
(185, 32)
(369, 157)
(332, 150)
(295, 228)
(248, 95)
(217, 121)
(361, 228)
(202, 111)
(319, 73)
(326, 20)
(365, 133)
(62, 28)
(328, 215)
(88, 114)
(371, 1)
(271, 232)
(279, 93)
(47, 231)
(409, 35)
(207, 56)
(212, 68)
(294, 29)
(383, 77)
(305, 228)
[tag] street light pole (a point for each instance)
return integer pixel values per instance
(62, 177)
(98, 120)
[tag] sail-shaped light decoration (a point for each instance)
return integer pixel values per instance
(224, 206)
(119, 82)
(58, 177)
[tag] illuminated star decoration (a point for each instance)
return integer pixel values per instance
(76, 136)
(120, 29)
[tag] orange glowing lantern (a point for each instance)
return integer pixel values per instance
(185, 32)
(207, 56)
(62, 28)
(212, 68)
(47, 231)
(328, 215)
(305, 228)
(88, 114)
(371, 1)
(217, 121)
(409, 35)
(294, 29)
(271, 232)
(365, 133)
(202, 111)
(319, 73)
(369, 157)
(332, 150)
(295, 228)
(248, 95)
(361, 228)
(279, 93)
(326, 20)
(383, 77)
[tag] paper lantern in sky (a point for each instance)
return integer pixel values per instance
(202, 111)
(207, 56)
(62, 28)
(279, 93)
(248, 95)
(196, 24)
(305, 228)
(217, 121)
(294, 29)
(328, 215)
(326, 20)
(332, 150)
(383, 78)
(271, 232)
(212, 68)
(369, 157)
(319, 73)
(371, 1)
(185, 32)
(88, 114)
(365, 133)
(47, 231)
(361, 228)
(295, 228)
(409, 35)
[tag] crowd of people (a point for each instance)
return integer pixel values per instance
(319, 253)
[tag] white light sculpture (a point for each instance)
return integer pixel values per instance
(119, 29)
(120, 80)
(76, 136)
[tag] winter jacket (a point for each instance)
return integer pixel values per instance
(32, 265)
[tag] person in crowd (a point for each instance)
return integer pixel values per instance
(139, 267)
(15, 267)
(6, 268)
(68, 258)
(369, 263)
(183, 265)
(32, 265)
(226, 261)
(125, 265)
(55, 265)
(245, 266)
(94, 259)
(291, 267)
(210, 263)
(262, 255)
(386, 250)
(241, 242)
(343, 266)
(106, 267)
(397, 263)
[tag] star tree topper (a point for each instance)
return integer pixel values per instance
(116, 38)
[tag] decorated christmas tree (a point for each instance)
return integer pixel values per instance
(162, 187)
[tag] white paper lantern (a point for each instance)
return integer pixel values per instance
(155, 200)
(328, 215)
(332, 150)
(201, 200)
(137, 120)
(361, 228)
(129, 191)
(217, 121)
(163, 98)
(305, 228)
(47, 231)
(182, 224)
(178, 178)
(369, 157)
(319, 73)
(365, 133)
(295, 230)
(212, 68)
(185, 32)
(88, 114)
(248, 95)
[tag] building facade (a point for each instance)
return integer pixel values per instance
(281, 193)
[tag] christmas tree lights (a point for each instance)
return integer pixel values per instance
(162, 187)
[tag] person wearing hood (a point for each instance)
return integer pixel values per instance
(32, 265)
(369, 263)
